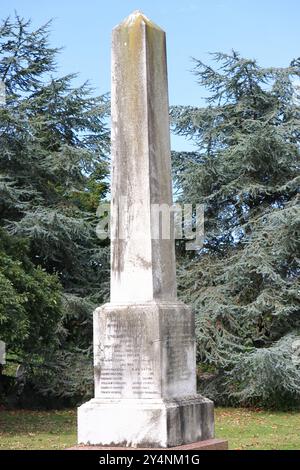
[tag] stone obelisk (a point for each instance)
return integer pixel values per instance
(144, 339)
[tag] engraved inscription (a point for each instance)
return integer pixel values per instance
(126, 361)
(177, 343)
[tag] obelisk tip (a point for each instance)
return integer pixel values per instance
(137, 17)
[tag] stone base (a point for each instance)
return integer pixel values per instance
(210, 444)
(145, 423)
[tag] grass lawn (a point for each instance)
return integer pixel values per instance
(261, 430)
(244, 429)
(25, 430)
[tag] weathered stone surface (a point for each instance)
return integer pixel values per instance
(2, 352)
(144, 351)
(146, 423)
(144, 339)
(145, 378)
(143, 268)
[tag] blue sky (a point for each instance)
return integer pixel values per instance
(267, 30)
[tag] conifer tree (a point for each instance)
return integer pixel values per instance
(54, 145)
(244, 282)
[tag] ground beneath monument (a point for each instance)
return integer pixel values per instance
(244, 429)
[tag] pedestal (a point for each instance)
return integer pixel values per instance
(145, 379)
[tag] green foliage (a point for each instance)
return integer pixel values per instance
(244, 283)
(68, 376)
(54, 147)
(30, 301)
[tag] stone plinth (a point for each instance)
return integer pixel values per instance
(145, 378)
(145, 423)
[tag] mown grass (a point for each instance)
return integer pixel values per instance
(244, 429)
(26, 430)
(260, 430)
